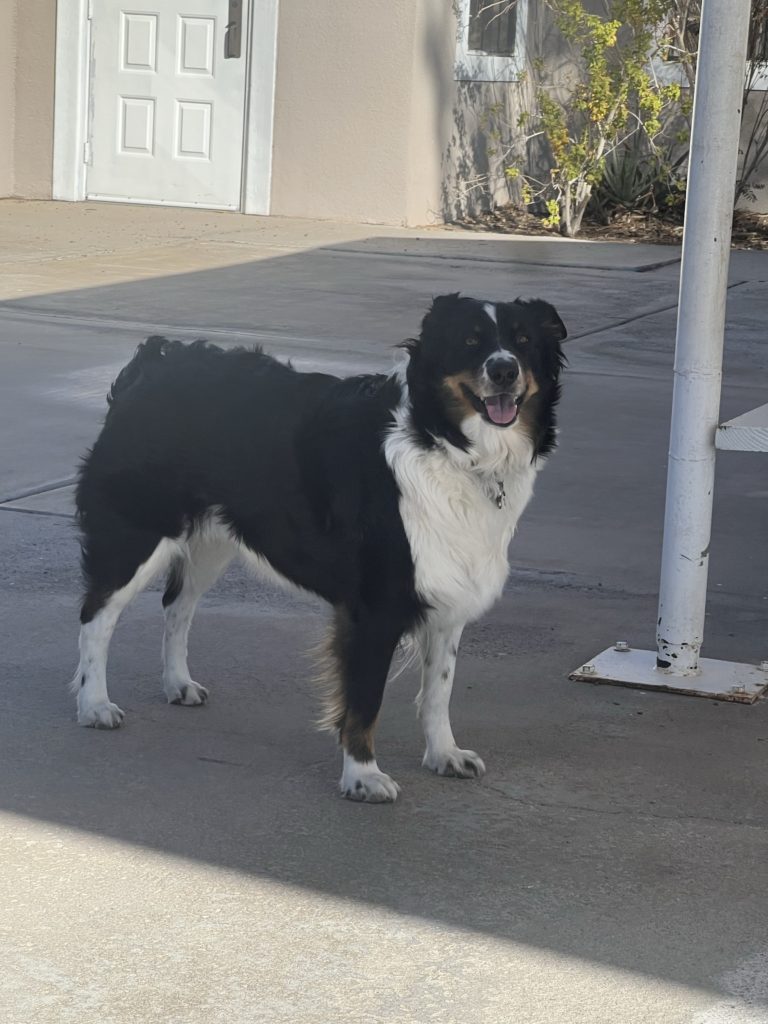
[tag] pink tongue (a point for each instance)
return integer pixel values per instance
(501, 409)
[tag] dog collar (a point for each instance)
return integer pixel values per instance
(501, 495)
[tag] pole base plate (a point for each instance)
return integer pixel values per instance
(719, 680)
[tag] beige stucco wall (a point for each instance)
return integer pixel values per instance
(430, 111)
(7, 93)
(35, 66)
(361, 95)
(341, 102)
(27, 62)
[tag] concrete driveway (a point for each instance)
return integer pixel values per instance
(198, 866)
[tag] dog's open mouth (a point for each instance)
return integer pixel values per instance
(501, 409)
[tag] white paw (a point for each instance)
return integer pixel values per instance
(363, 781)
(185, 692)
(101, 716)
(459, 764)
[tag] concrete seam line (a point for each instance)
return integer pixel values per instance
(639, 316)
(38, 512)
(29, 492)
(642, 269)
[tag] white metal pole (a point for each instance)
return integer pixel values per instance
(700, 327)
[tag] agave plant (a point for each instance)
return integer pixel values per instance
(629, 184)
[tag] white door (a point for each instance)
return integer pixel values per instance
(167, 104)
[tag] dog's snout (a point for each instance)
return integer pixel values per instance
(502, 370)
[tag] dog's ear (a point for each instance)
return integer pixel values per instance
(442, 303)
(443, 308)
(547, 318)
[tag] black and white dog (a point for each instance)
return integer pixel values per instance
(394, 498)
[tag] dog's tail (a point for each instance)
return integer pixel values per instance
(149, 356)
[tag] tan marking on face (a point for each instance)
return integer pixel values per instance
(531, 384)
(459, 405)
(529, 411)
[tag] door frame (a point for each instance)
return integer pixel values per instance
(72, 99)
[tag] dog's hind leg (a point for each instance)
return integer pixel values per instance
(360, 650)
(191, 575)
(117, 567)
(440, 645)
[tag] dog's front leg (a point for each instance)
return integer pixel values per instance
(440, 645)
(361, 649)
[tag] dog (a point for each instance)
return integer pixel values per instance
(392, 497)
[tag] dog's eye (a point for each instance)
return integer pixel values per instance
(522, 339)
(471, 341)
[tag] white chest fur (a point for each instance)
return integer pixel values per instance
(457, 533)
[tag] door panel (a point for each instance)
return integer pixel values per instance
(167, 104)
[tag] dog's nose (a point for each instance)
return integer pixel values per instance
(502, 370)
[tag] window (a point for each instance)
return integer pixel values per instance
(758, 37)
(757, 51)
(490, 44)
(492, 28)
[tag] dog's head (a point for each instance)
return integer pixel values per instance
(486, 366)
